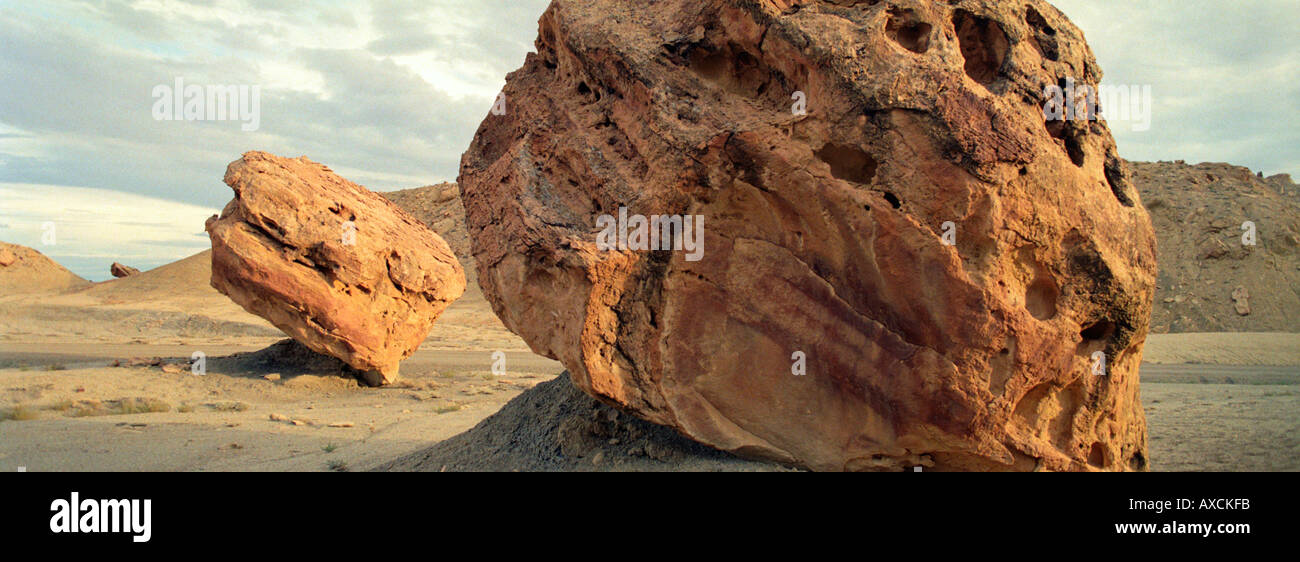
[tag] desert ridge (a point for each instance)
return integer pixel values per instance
(25, 270)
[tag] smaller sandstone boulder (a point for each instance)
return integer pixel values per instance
(1213, 249)
(1241, 300)
(118, 270)
(7, 258)
(337, 267)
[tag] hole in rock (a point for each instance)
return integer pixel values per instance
(893, 200)
(711, 65)
(1117, 179)
(1086, 263)
(1097, 331)
(587, 93)
(849, 163)
(1041, 35)
(983, 44)
(908, 31)
(1037, 21)
(1138, 461)
(1075, 150)
(735, 70)
(1027, 408)
(1069, 138)
(1040, 298)
(1041, 290)
(1001, 368)
(1097, 456)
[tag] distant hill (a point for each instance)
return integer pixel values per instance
(1198, 212)
(24, 270)
(177, 302)
(1197, 209)
(469, 320)
(177, 283)
(166, 304)
(439, 207)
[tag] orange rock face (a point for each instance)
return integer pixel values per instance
(338, 268)
(905, 262)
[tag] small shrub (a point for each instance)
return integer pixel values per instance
(20, 412)
(64, 406)
(121, 407)
(228, 406)
(140, 406)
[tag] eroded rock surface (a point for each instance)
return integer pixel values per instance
(338, 268)
(1015, 348)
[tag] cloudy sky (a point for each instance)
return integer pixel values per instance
(389, 92)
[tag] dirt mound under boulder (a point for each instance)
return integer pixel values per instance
(286, 357)
(556, 427)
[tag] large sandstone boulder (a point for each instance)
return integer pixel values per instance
(119, 271)
(1015, 348)
(340, 269)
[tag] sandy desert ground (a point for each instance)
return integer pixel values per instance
(234, 419)
(71, 409)
(1222, 401)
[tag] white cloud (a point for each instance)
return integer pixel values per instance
(94, 227)
(20, 143)
(1221, 75)
(280, 74)
(390, 92)
(399, 116)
